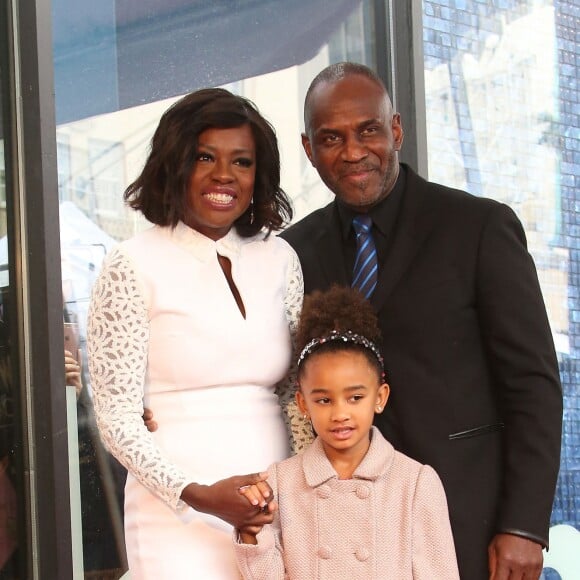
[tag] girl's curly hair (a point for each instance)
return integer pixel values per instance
(342, 309)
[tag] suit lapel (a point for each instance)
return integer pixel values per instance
(328, 249)
(414, 224)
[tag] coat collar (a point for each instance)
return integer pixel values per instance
(329, 247)
(318, 469)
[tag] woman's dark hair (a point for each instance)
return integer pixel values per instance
(160, 192)
(339, 309)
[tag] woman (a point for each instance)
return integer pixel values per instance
(193, 317)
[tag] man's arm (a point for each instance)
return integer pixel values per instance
(524, 367)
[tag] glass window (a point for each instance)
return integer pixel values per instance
(2, 183)
(502, 122)
(119, 64)
(63, 153)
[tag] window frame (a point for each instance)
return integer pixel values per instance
(36, 276)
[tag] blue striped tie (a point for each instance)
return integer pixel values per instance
(365, 271)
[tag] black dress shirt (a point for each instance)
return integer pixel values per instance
(384, 216)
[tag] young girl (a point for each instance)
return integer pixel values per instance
(350, 506)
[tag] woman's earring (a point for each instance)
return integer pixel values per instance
(252, 211)
(379, 409)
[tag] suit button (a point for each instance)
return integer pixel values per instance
(324, 552)
(323, 492)
(363, 491)
(362, 554)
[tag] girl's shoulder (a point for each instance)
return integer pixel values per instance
(287, 472)
(413, 474)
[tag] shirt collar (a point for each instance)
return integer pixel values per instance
(318, 469)
(204, 248)
(381, 213)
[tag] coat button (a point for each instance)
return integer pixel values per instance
(324, 552)
(362, 491)
(362, 554)
(323, 492)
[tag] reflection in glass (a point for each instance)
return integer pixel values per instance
(8, 468)
(502, 113)
(11, 485)
(83, 247)
(8, 428)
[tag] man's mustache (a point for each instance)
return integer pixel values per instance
(354, 169)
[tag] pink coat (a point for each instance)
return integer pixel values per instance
(390, 521)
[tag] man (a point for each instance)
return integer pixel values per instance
(468, 349)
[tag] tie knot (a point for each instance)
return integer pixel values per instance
(362, 224)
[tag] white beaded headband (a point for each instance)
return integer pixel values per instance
(345, 337)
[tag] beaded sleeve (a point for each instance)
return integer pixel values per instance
(117, 343)
(299, 428)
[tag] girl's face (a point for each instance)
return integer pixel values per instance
(341, 392)
(222, 181)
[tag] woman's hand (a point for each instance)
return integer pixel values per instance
(225, 500)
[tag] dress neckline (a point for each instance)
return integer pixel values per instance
(205, 248)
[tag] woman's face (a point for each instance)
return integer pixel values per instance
(221, 184)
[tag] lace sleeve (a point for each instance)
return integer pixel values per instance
(299, 428)
(117, 343)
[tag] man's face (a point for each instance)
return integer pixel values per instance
(352, 140)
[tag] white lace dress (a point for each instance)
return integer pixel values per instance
(165, 330)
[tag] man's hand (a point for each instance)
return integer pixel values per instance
(514, 557)
(225, 500)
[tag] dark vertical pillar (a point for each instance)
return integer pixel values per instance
(40, 310)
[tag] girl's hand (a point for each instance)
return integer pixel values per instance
(248, 533)
(258, 494)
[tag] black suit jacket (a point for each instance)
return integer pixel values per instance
(469, 356)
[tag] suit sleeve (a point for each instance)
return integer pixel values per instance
(524, 368)
(263, 561)
(433, 548)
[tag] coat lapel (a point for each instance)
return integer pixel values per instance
(328, 249)
(414, 224)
